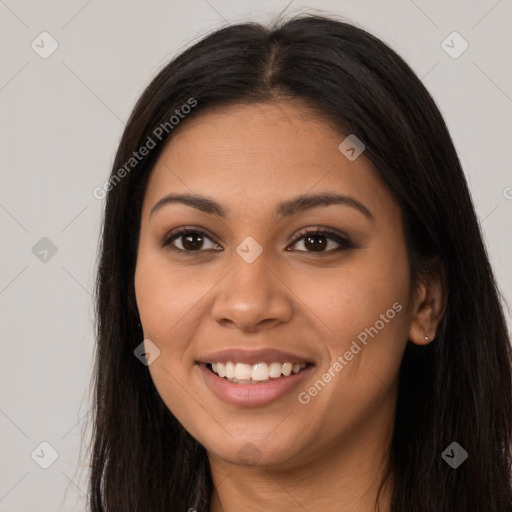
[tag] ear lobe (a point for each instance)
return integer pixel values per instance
(428, 308)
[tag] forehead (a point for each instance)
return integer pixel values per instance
(250, 155)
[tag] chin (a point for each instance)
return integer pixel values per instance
(250, 451)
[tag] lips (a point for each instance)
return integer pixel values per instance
(253, 356)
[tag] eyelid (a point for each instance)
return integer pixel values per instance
(340, 238)
(308, 230)
(183, 230)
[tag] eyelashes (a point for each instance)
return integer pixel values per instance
(196, 238)
(306, 234)
(183, 232)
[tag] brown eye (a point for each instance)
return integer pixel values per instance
(321, 241)
(189, 240)
(316, 243)
(192, 241)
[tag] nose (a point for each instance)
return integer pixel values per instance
(252, 297)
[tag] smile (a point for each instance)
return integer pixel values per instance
(242, 373)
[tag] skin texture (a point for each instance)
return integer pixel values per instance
(249, 158)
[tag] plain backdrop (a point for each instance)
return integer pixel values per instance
(61, 120)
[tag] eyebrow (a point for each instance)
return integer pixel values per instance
(287, 208)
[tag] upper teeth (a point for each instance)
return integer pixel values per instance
(256, 372)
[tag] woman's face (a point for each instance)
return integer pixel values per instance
(251, 291)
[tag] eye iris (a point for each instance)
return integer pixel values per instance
(193, 241)
(315, 242)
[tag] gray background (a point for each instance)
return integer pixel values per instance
(62, 118)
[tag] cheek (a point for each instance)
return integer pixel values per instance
(362, 312)
(353, 296)
(166, 297)
(169, 303)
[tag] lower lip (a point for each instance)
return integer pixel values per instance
(252, 395)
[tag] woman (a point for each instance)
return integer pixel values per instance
(295, 305)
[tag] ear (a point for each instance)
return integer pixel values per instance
(428, 305)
